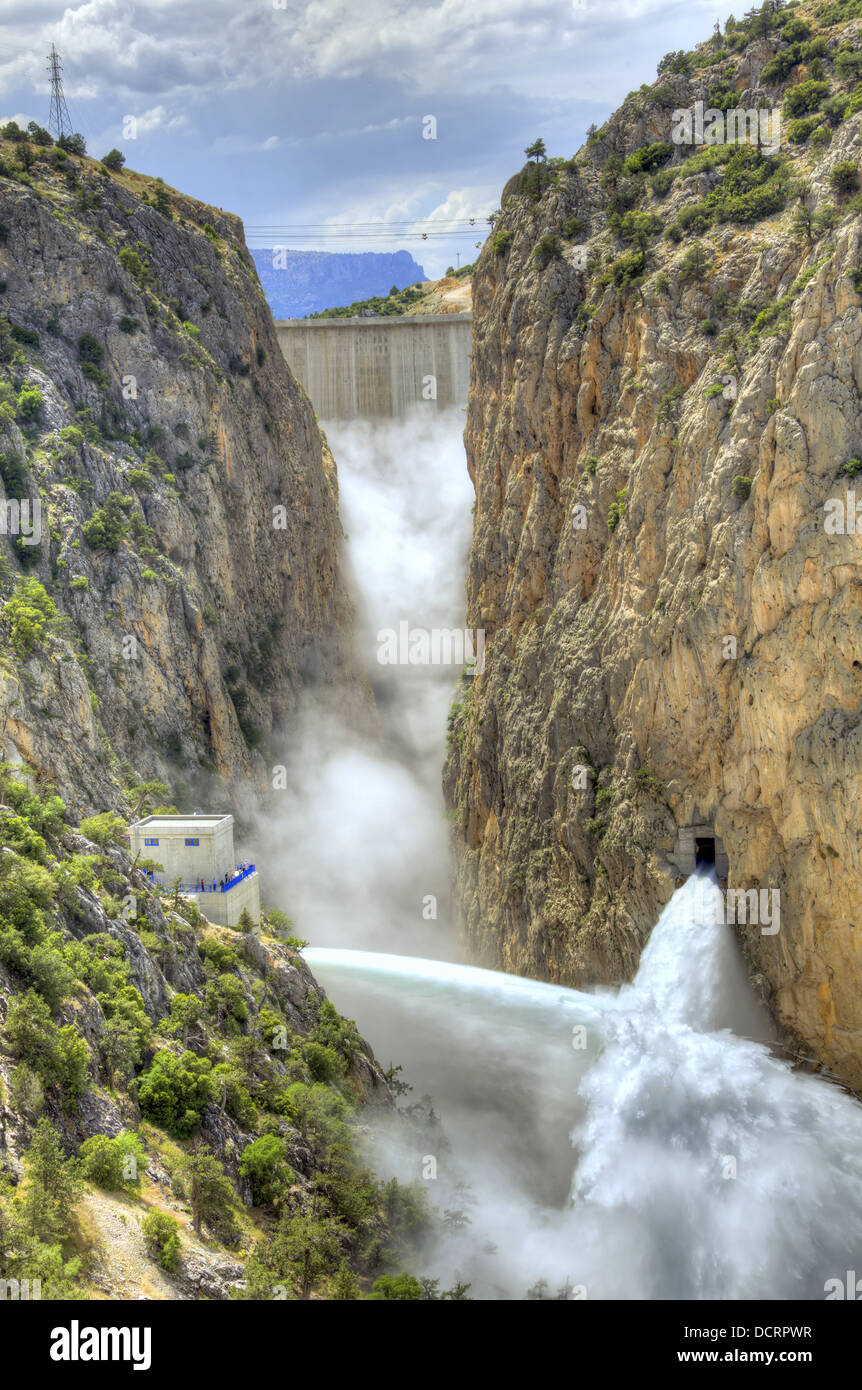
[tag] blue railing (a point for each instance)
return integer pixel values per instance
(210, 885)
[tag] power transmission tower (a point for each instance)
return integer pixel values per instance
(59, 121)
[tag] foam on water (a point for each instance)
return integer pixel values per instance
(703, 1166)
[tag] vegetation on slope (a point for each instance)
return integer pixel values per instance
(660, 191)
(148, 1054)
(412, 299)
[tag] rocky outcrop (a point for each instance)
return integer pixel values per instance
(190, 536)
(660, 411)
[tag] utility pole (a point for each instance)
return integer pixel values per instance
(59, 121)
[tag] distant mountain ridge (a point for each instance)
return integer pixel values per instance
(308, 281)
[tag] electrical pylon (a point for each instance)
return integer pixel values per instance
(59, 121)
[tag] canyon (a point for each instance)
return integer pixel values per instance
(660, 353)
(664, 397)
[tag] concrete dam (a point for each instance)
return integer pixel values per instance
(378, 368)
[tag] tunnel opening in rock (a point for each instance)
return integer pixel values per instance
(698, 846)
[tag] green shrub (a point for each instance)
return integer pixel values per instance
(396, 1288)
(796, 28)
(848, 62)
(648, 157)
(225, 999)
(547, 249)
(799, 131)
(161, 1233)
(113, 1163)
(141, 479)
(617, 510)
(27, 336)
(218, 955)
(844, 178)
(324, 1063)
(336, 1032)
(175, 1091)
(13, 471)
(72, 144)
(625, 270)
(636, 228)
(501, 241)
(29, 609)
(263, 1163)
(693, 265)
(741, 487)
(805, 96)
(133, 265)
(58, 1056)
(851, 469)
(104, 829)
(114, 160)
(695, 217)
(90, 350)
(662, 182)
(108, 524)
(676, 61)
(30, 406)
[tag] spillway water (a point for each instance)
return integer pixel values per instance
(642, 1143)
(698, 1165)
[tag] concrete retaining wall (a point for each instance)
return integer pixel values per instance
(225, 908)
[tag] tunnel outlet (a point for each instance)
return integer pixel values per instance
(696, 846)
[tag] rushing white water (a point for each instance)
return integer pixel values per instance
(357, 845)
(639, 1143)
(702, 1166)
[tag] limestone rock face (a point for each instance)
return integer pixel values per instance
(192, 630)
(673, 631)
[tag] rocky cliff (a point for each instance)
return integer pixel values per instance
(182, 1111)
(189, 528)
(665, 396)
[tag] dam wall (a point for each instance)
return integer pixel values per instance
(378, 368)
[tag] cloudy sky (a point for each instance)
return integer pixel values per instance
(311, 112)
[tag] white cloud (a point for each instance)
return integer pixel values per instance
(167, 47)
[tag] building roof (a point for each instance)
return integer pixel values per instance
(181, 825)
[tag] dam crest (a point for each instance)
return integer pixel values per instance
(379, 368)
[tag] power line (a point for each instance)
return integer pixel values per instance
(408, 223)
(369, 231)
(59, 121)
(370, 236)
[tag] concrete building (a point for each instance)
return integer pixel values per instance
(378, 368)
(198, 850)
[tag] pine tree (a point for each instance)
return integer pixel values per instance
(211, 1194)
(51, 1186)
